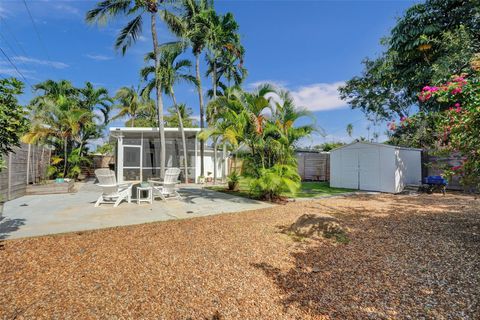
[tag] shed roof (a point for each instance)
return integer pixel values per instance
(375, 144)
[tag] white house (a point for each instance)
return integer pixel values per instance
(375, 167)
(137, 153)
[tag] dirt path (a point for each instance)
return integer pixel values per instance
(407, 257)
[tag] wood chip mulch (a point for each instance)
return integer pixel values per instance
(408, 257)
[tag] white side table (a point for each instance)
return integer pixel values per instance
(140, 191)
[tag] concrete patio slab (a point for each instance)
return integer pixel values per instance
(39, 215)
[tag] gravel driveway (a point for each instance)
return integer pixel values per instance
(408, 257)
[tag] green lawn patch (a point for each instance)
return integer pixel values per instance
(307, 190)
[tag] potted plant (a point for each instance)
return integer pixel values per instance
(209, 178)
(233, 181)
(201, 179)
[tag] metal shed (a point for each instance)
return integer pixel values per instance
(375, 167)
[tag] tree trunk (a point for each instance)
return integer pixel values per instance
(158, 87)
(224, 162)
(202, 112)
(214, 88)
(215, 160)
(182, 132)
(65, 150)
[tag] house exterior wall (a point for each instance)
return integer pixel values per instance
(138, 154)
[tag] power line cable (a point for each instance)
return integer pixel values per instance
(12, 34)
(15, 67)
(36, 31)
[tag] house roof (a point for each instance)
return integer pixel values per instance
(375, 144)
(150, 129)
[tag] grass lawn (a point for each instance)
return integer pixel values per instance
(307, 190)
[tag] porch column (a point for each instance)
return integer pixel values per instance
(120, 159)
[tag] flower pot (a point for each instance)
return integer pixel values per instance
(233, 186)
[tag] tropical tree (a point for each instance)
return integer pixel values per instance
(431, 41)
(171, 71)
(263, 131)
(12, 116)
(129, 104)
(172, 119)
(192, 26)
(67, 118)
(136, 9)
(349, 129)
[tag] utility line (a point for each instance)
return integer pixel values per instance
(12, 34)
(14, 66)
(36, 30)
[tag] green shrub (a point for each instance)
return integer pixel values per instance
(272, 182)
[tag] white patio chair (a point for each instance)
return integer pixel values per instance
(166, 189)
(113, 192)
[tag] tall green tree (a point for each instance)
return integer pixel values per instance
(172, 119)
(264, 132)
(192, 26)
(12, 116)
(431, 41)
(58, 117)
(129, 104)
(136, 10)
(172, 70)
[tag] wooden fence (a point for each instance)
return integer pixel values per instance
(314, 166)
(432, 166)
(27, 164)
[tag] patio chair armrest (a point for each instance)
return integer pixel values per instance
(155, 182)
(125, 185)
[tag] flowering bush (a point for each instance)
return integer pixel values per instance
(459, 123)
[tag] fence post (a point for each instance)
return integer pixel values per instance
(9, 182)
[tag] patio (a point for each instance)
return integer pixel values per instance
(30, 216)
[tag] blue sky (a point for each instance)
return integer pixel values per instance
(307, 47)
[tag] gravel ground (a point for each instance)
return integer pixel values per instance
(409, 257)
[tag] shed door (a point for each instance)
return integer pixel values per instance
(369, 169)
(350, 168)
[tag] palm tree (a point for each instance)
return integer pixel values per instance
(171, 72)
(58, 115)
(129, 104)
(96, 99)
(186, 114)
(129, 35)
(222, 37)
(349, 129)
(192, 26)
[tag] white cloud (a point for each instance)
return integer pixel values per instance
(315, 97)
(276, 83)
(27, 60)
(66, 8)
(319, 96)
(98, 57)
(13, 72)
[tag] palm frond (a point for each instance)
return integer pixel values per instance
(129, 34)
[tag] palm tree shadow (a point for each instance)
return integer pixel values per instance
(8, 226)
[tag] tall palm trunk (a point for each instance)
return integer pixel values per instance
(214, 87)
(182, 132)
(202, 111)
(158, 89)
(65, 160)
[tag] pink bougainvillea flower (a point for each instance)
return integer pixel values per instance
(403, 118)
(455, 168)
(457, 90)
(457, 104)
(458, 109)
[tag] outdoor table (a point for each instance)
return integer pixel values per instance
(149, 197)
